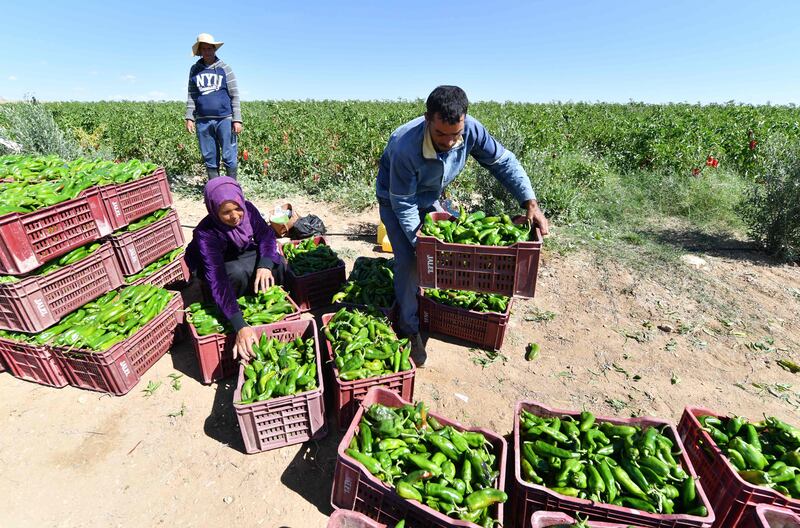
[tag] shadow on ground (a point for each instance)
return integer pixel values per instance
(221, 424)
(714, 244)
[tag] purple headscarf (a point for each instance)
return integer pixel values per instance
(225, 189)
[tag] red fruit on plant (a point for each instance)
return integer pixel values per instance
(753, 144)
(695, 171)
(245, 155)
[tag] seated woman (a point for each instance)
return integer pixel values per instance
(235, 252)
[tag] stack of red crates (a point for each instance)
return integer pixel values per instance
(32, 302)
(504, 270)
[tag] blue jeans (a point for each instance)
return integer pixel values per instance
(216, 138)
(406, 279)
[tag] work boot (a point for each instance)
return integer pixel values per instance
(418, 353)
(212, 172)
(231, 172)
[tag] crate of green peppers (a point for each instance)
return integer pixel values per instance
(30, 240)
(279, 395)
(129, 201)
(399, 462)
(743, 463)
(315, 272)
(626, 470)
(30, 361)
(39, 299)
(212, 335)
(137, 248)
(370, 284)
(468, 261)
(107, 345)
(479, 318)
(365, 352)
(169, 270)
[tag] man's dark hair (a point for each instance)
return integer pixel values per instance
(450, 102)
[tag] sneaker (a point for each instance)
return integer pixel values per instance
(418, 353)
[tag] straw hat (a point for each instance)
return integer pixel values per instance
(205, 38)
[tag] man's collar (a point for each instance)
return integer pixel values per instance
(428, 150)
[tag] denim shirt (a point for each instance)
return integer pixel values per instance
(412, 175)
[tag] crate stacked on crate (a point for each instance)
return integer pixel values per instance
(362, 483)
(364, 352)
(351, 519)
(53, 257)
(315, 273)
(767, 516)
(213, 338)
(724, 472)
(465, 265)
(279, 395)
(643, 459)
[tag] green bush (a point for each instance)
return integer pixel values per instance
(772, 205)
(31, 125)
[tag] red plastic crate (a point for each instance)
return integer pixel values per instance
(486, 329)
(545, 519)
(136, 250)
(507, 270)
(215, 351)
(731, 495)
(288, 420)
(39, 301)
(766, 516)
(127, 202)
(29, 240)
(355, 488)
(32, 363)
(314, 290)
(351, 519)
(118, 369)
(529, 497)
(347, 394)
(175, 273)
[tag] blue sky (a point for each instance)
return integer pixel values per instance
(538, 51)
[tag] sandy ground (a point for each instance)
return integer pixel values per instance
(73, 458)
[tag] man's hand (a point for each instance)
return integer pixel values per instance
(536, 216)
(264, 279)
(237, 128)
(190, 125)
(245, 339)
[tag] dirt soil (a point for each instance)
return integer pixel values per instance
(614, 340)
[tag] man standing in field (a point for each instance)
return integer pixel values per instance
(420, 160)
(213, 103)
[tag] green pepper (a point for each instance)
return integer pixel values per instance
(586, 421)
(443, 493)
(407, 491)
(478, 500)
(444, 445)
(544, 449)
(423, 463)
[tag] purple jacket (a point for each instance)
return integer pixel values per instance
(210, 248)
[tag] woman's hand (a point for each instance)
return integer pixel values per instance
(264, 279)
(245, 339)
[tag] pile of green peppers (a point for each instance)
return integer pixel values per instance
(104, 322)
(146, 221)
(309, 257)
(371, 283)
(267, 306)
(479, 302)
(155, 266)
(477, 229)
(64, 260)
(29, 183)
(453, 472)
(623, 465)
(279, 369)
(364, 345)
(764, 453)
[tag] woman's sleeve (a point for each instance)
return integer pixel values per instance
(211, 250)
(265, 239)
